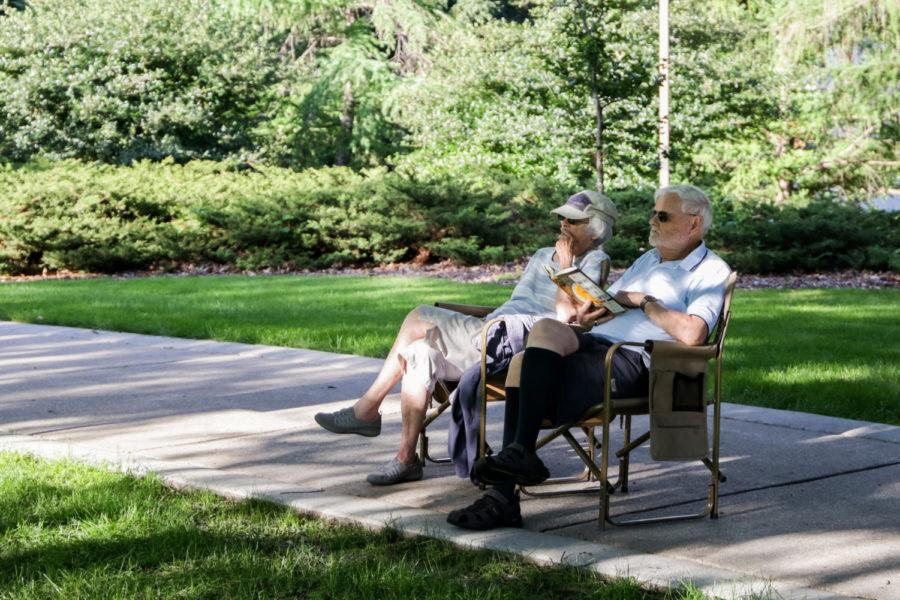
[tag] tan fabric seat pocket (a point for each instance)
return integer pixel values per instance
(678, 415)
(678, 436)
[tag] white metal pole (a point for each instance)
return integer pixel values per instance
(663, 93)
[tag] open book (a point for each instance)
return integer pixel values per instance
(580, 287)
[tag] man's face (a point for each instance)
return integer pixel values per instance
(670, 227)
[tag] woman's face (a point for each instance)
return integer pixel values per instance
(577, 229)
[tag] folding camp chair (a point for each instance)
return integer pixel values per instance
(443, 389)
(604, 413)
(493, 387)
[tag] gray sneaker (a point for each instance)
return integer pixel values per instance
(344, 421)
(396, 472)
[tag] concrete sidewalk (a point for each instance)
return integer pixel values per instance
(811, 508)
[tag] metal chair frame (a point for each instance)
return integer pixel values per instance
(604, 413)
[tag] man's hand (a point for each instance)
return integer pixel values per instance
(629, 299)
(687, 329)
(565, 254)
(587, 316)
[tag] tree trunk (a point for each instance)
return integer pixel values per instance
(598, 156)
(598, 107)
(663, 122)
(342, 155)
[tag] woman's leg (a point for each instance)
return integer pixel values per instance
(412, 329)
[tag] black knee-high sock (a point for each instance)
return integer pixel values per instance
(510, 416)
(539, 385)
(510, 423)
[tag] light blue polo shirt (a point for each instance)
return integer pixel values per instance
(535, 294)
(694, 285)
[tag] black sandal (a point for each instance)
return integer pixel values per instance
(490, 511)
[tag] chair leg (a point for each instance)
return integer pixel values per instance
(604, 470)
(442, 395)
(716, 476)
(586, 454)
(624, 460)
(709, 465)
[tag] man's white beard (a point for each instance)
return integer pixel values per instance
(653, 239)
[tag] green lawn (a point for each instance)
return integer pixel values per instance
(71, 531)
(833, 352)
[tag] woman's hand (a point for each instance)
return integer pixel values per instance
(565, 250)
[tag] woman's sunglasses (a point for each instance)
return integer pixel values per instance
(573, 221)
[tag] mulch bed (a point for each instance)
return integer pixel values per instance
(507, 274)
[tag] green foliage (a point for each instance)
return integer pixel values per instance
(6, 5)
(824, 235)
(603, 50)
(632, 230)
(771, 100)
(68, 215)
(488, 101)
(102, 219)
(118, 81)
(348, 58)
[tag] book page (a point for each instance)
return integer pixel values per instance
(582, 288)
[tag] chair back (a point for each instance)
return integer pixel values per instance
(604, 273)
(717, 335)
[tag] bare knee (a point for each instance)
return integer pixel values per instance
(514, 372)
(414, 327)
(553, 335)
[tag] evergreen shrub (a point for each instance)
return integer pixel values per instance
(102, 218)
(77, 216)
(824, 235)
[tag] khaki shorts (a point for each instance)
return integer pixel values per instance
(447, 350)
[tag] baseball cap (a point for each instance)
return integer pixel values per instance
(586, 204)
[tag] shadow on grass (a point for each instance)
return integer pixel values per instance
(121, 536)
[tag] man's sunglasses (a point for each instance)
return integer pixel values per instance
(573, 221)
(664, 216)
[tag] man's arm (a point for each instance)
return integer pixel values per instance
(687, 329)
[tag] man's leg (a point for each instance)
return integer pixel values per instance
(531, 385)
(499, 507)
(540, 384)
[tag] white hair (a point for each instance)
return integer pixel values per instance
(600, 229)
(693, 202)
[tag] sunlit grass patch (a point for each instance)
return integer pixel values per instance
(833, 352)
(71, 531)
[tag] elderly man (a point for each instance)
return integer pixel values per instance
(434, 343)
(675, 292)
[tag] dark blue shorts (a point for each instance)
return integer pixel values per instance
(582, 385)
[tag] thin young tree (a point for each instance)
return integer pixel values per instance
(354, 49)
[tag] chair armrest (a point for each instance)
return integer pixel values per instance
(607, 375)
(675, 350)
(472, 310)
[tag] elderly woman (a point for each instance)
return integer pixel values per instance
(435, 343)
